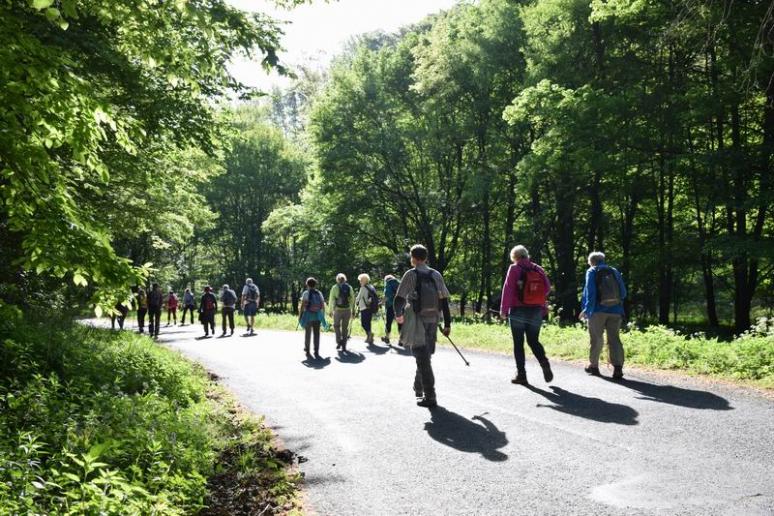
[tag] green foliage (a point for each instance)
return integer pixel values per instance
(102, 422)
(98, 99)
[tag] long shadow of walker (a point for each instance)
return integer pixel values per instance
(467, 435)
(679, 396)
(589, 408)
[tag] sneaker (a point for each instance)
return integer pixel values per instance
(520, 378)
(547, 374)
(618, 372)
(425, 402)
(592, 370)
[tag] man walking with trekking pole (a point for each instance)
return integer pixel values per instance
(421, 297)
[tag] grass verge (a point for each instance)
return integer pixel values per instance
(100, 422)
(746, 360)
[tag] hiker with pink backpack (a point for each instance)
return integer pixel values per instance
(524, 296)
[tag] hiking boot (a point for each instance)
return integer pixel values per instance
(386, 339)
(427, 402)
(317, 356)
(520, 378)
(419, 394)
(617, 372)
(592, 370)
(547, 374)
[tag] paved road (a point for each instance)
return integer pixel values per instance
(581, 445)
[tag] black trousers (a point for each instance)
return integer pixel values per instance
(154, 320)
(313, 326)
(526, 321)
(228, 312)
(189, 308)
(389, 318)
(424, 379)
(141, 312)
(208, 321)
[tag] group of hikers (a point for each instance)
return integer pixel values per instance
(417, 303)
(150, 304)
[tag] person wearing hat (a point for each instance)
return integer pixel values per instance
(207, 308)
(229, 298)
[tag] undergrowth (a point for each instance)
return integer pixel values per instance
(100, 422)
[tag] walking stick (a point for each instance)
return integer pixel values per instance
(455, 347)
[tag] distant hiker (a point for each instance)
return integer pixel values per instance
(421, 297)
(172, 302)
(119, 314)
(142, 309)
(208, 305)
(391, 284)
(155, 305)
(312, 315)
(367, 301)
(229, 299)
(189, 305)
(524, 304)
(250, 299)
(602, 306)
(342, 304)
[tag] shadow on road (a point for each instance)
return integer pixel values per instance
(467, 435)
(377, 350)
(401, 350)
(589, 408)
(679, 396)
(350, 357)
(314, 363)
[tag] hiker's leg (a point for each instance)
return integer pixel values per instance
(174, 315)
(613, 329)
(389, 317)
(532, 330)
(337, 320)
(192, 314)
(231, 324)
(112, 322)
(223, 319)
(425, 372)
(596, 328)
(141, 319)
(307, 337)
(517, 332)
(316, 330)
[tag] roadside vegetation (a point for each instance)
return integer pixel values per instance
(100, 422)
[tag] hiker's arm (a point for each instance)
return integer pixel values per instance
(509, 291)
(400, 306)
(446, 312)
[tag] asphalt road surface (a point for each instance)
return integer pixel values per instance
(652, 444)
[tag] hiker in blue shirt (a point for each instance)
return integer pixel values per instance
(391, 284)
(602, 307)
(312, 316)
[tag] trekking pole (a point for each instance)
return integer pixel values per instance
(455, 346)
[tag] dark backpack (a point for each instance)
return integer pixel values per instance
(315, 301)
(426, 303)
(229, 297)
(252, 293)
(608, 289)
(532, 288)
(373, 299)
(209, 302)
(344, 292)
(156, 299)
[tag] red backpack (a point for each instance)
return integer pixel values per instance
(532, 288)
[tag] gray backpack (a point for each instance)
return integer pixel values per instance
(426, 302)
(608, 290)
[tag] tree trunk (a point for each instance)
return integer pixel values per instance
(566, 282)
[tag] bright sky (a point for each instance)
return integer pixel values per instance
(317, 32)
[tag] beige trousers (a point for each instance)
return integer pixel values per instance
(601, 323)
(341, 323)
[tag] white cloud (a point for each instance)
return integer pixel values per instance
(316, 32)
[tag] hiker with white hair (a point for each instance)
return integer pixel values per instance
(229, 298)
(250, 299)
(342, 304)
(602, 307)
(367, 302)
(524, 304)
